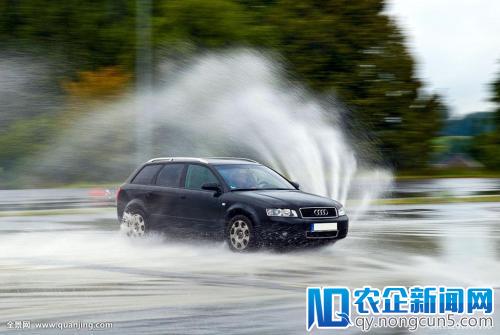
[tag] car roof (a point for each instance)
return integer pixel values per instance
(206, 160)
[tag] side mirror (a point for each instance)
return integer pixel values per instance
(211, 187)
(296, 185)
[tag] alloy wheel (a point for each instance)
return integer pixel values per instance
(239, 235)
(134, 224)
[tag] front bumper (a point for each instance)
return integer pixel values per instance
(292, 229)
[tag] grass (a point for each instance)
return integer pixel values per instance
(430, 173)
(396, 201)
(61, 211)
(88, 185)
(401, 175)
(438, 200)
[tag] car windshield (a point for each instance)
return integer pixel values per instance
(252, 177)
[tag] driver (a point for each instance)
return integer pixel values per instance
(243, 179)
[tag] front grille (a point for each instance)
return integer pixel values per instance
(318, 212)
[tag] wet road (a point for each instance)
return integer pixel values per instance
(78, 267)
(446, 187)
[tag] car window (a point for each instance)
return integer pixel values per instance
(252, 177)
(170, 175)
(198, 175)
(145, 176)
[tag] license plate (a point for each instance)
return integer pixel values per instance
(324, 226)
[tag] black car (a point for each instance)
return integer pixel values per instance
(236, 199)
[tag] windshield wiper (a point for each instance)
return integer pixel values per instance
(260, 189)
(245, 189)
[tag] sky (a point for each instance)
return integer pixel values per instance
(457, 46)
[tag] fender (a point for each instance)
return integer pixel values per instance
(244, 209)
(135, 202)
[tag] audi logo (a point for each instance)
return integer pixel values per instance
(320, 212)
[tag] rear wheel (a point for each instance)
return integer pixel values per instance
(134, 222)
(241, 235)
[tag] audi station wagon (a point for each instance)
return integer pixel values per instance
(237, 200)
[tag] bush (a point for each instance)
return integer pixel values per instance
(486, 149)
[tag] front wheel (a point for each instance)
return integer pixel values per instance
(134, 222)
(241, 235)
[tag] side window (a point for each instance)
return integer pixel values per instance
(170, 175)
(145, 176)
(198, 175)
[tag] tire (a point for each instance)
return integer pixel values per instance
(241, 235)
(134, 222)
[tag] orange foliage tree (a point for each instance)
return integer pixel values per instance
(104, 83)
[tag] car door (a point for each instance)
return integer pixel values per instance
(140, 187)
(201, 210)
(165, 197)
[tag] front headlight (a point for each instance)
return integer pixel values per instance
(341, 211)
(284, 212)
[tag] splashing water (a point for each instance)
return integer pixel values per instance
(225, 104)
(234, 103)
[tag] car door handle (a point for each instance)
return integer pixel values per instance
(183, 197)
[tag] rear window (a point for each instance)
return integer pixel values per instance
(146, 175)
(170, 175)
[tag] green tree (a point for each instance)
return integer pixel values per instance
(496, 100)
(203, 24)
(349, 48)
(353, 49)
(486, 147)
(84, 34)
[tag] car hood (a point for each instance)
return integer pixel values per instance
(289, 198)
